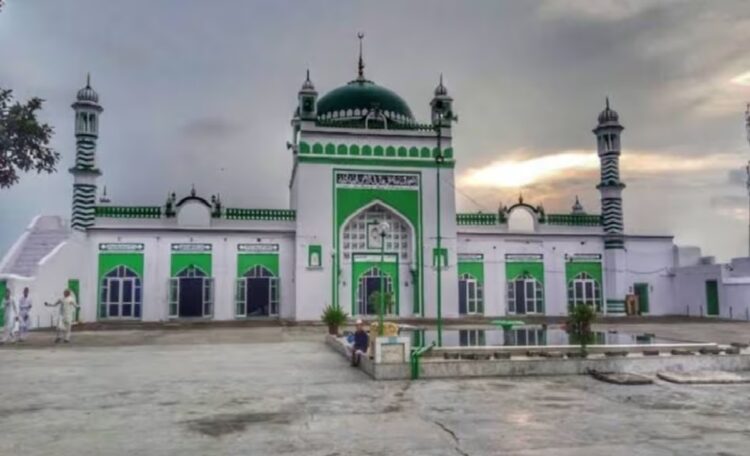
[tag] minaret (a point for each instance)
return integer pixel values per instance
(85, 172)
(441, 106)
(307, 98)
(608, 147)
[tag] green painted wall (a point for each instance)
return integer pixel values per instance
(109, 261)
(246, 261)
(390, 269)
(182, 260)
(535, 269)
(594, 269)
(473, 268)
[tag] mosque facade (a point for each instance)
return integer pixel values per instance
(371, 208)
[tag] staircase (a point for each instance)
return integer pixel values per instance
(45, 233)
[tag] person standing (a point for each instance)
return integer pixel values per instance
(24, 318)
(68, 306)
(11, 314)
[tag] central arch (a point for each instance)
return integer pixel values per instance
(363, 251)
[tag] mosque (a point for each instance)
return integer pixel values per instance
(371, 206)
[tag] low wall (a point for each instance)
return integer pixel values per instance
(434, 367)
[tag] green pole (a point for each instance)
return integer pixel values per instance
(382, 283)
(439, 162)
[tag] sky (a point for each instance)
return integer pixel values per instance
(201, 93)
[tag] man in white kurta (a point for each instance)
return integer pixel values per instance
(24, 318)
(68, 306)
(11, 313)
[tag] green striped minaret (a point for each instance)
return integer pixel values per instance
(85, 172)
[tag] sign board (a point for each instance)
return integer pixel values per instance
(258, 248)
(121, 247)
(525, 257)
(191, 248)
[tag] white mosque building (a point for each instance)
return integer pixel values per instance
(371, 204)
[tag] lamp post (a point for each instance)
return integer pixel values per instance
(439, 159)
(384, 228)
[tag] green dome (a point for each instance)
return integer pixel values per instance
(362, 94)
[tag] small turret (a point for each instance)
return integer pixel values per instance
(441, 106)
(577, 208)
(308, 98)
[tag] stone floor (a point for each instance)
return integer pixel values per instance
(282, 391)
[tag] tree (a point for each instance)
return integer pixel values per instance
(24, 141)
(579, 323)
(387, 301)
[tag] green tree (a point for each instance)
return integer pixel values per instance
(580, 319)
(24, 141)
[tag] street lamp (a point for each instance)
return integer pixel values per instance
(439, 160)
(383, 228)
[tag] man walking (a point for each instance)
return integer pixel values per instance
(68, 306)
(24, 319)
(11, 314)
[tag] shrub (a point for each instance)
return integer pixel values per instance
(580, 319)
(333, 317)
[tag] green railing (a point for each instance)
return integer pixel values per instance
(479, 218)
(232, 213)
(128, 211)
(373, 124)
(573, 219)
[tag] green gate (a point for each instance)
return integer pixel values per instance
(641, 290)
(712, 297)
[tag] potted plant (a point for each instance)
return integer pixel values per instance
(334, 317)
(580, 319)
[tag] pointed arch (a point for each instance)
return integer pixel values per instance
(401, 239)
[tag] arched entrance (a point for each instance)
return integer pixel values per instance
(584, 289)
(368, 292)
(257, 293)
(121, 294)
(369, 258)
(191, 294)
(525, 295)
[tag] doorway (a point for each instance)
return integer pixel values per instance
(712, 297)
(641, 291)
(525, 295)
(257, 294)
(191, 294)
(369, 284)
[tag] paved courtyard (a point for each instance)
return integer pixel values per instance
(282, 391)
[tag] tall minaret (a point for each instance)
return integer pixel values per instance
(608, 147)
(85, 172)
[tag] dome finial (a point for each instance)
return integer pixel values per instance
(88, 80)
(441, 89)
(361, 66)
(607, 102)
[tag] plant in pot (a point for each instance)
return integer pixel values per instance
(334, 317)
(580, 319)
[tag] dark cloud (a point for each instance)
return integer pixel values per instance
(199, 93)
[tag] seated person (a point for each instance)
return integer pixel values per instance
(361, 342)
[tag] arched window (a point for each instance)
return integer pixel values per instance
(370, 284)
(584, 289)
(361, 234)
(525, 295)
(121, 294)
(191, 272)
(470, 295)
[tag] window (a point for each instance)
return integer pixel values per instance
(584, 289)
(525, 295)
(471, 338)
(470, 295)
(120, 294)
(361, 233)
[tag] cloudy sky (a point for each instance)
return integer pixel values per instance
(202, 92)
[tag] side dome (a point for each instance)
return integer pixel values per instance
(608, 115)
(359, 97)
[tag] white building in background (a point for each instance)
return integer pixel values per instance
(360, 158)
